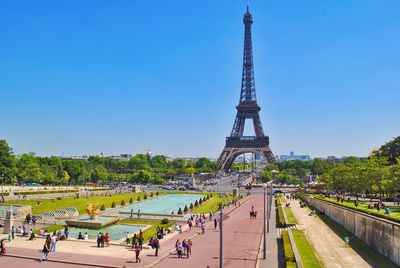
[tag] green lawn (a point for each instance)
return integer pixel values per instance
(305, 249)
(363, 207)
(79, 203)
(51, 228)
(289, 216)
(147, 234)
(212, 205)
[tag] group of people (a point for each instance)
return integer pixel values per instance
(103, 239)
(30, 219)
(83, 237)
(253, 213)
(50, 245)
(23, 231)
(183, 248)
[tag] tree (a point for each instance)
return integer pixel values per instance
(141, 176)
(190, 170)
(204, 164)
(139, 162)
(160, 163)
(7, 162)
(390, 150)
(65, 177)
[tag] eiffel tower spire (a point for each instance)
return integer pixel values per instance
(248, 108)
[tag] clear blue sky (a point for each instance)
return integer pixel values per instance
(84, 77)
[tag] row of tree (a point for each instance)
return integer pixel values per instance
(377, 174)
(54, 170)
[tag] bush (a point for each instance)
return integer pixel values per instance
(131, 200)
(204, 199)
(157, 193)
(180, 211)
(122, 202)
(145, 196)
(138, 198)
(191, 206)
(102, 208)
(113, 204)
(186, 209)
(196, 203)
(280, 217)
(287, 249)
(200, 201)
(164, 221)
(59, 198)
(151, 194)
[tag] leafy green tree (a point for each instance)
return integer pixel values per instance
(390, 151)
(7, 162)
(139, 162)
(204, 164)
(141, 176)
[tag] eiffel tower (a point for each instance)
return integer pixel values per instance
(236, 143)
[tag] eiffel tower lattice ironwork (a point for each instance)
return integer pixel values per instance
(236, 143)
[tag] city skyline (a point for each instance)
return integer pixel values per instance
(77, 82)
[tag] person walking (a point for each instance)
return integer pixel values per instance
(107, 239)
(66, 232)
(134, 241)
(137, 252)
(179, 249)
(53, 242)
(3, 246)
(189, 244)
(215, 223)
(156, 244)
(140, 240)
(46, 249)
(184, 243)
(98, 240)
(13, 230)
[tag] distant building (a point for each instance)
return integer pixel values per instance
(292, 156)
(120, 157)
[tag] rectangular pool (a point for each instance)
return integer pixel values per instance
(116, 231)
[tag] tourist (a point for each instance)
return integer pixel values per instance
(28, 218)
(98, 239)
(13, 231)
(3, 247)
(137, 252)
(211, 216)
(177, 228)
(190, 224)
(140, 240)
(189, 248)
(66, 232)
(86, 236)
(203, 227)
(53, 242)
(134, 241)
(80, 236)
(102, 240)
(179, 249)
(215, 223)
(156, 244)
(127, 240)
(387, 211)
(46, 249)
(107, 239)
(184, 243)
(32, 236)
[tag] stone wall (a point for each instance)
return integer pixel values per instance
(380, 234)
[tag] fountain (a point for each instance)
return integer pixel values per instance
(93, 221)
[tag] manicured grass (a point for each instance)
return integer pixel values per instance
(363, 207)
(281, 218)
(365, 251)
(152, 230)
(79, 203)
(289, 216)
(288, 251)
(51, 228)
(305, 249)
(212, 205)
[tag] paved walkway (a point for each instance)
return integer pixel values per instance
(242, 240)
(327, 244)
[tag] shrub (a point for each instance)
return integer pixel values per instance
(151, 194)
(180, 211)
(196, 203)
(204, 199)
(145, 196)
(59, 198)
(113, 204)
(200, 201)
(191, 206)
(122, 202)
(185, 209)
(102, 208)
(164, 221)
(138, 198)
(281, 218)
(131, 200)
(157, 193)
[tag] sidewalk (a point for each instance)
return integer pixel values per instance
(75, 253)
(327, 244)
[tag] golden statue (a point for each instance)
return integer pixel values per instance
(92, 213)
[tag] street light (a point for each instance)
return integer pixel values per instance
(2, 183)
(265, 233)
(221, 249)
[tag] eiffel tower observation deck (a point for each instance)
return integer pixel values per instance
(248, 108)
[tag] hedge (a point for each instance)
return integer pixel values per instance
(46, 192)
(281, 217)
(287, 249)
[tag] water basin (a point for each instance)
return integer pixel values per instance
(116, 231)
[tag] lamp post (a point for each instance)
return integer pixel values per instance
(265, 233)
(221, 249)
(2, 183)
